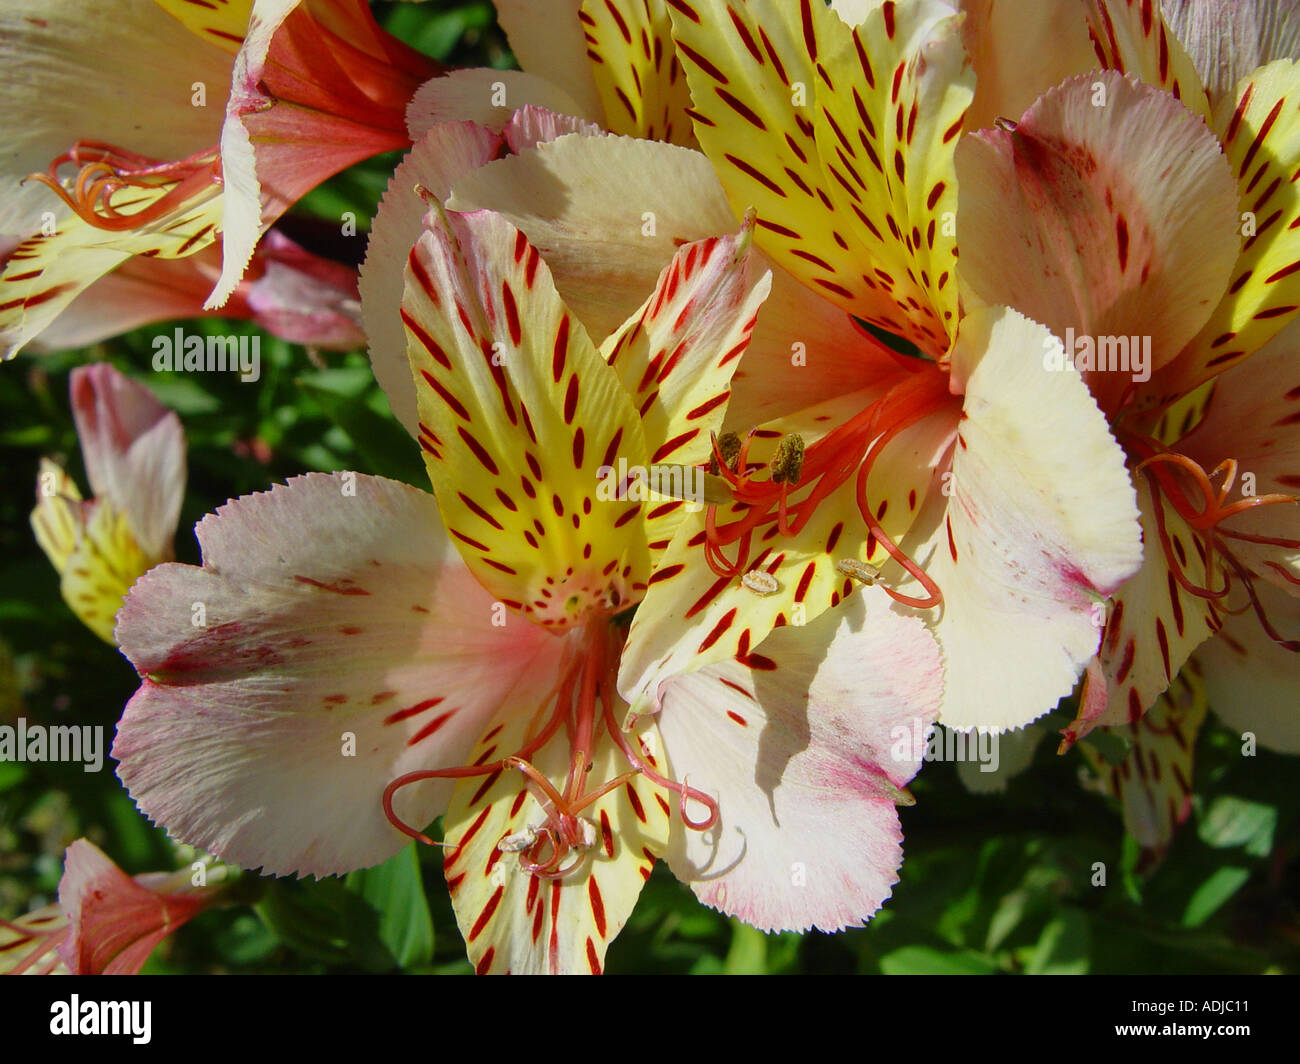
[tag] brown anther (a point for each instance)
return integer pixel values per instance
(761, 583)
(728, 445)
(862, 572)
(788, 461)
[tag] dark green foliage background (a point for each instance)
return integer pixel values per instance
(990, 884)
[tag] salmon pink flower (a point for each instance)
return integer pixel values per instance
(106, 922)
(134, 452)
(286, 290)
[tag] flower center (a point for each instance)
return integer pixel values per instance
(1180, 482)
(800, 478)
(585, 698)
(149, 189)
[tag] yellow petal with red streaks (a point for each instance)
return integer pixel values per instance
(1250, 415)
(57, 520)
(514, 921)
(1183, 415)
(101, 570)
(886, 136)
(692, 617)
(221, 22)
(46, 273)
(676, 357)
(1131, 36)
(605, 258)
(636, 69)
(842, 138)
(518, 412)
(1260, 131)
(1154, 781)
(1153, 624)
(752, 82)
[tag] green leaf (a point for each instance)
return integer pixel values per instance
(748, 952)
(184, 395)
(1062, 947)
(395, 890)
(382, 443)
(325, 921)
(922, 960)
(437, 33)
(1211, 895)
(1234, 821)
(11, 774)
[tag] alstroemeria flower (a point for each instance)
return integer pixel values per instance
(1070, 217)
(106, 922)
(299, 90)
(1153, 781)
(1240, 90)
(286, 290)
(134, 451)
(1248, 680)
(1004, 540)
(357, 678)
(593, 66)
(1246, 669)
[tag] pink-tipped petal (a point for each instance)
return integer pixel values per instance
(807, 746)
(1036, 528)
(134, 449)
(1074, 221)
(532, 125)
(332, 642)
(304, 299)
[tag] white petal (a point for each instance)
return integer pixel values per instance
(342, 644)
(807, 751)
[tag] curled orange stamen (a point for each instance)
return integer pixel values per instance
(104, 171)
